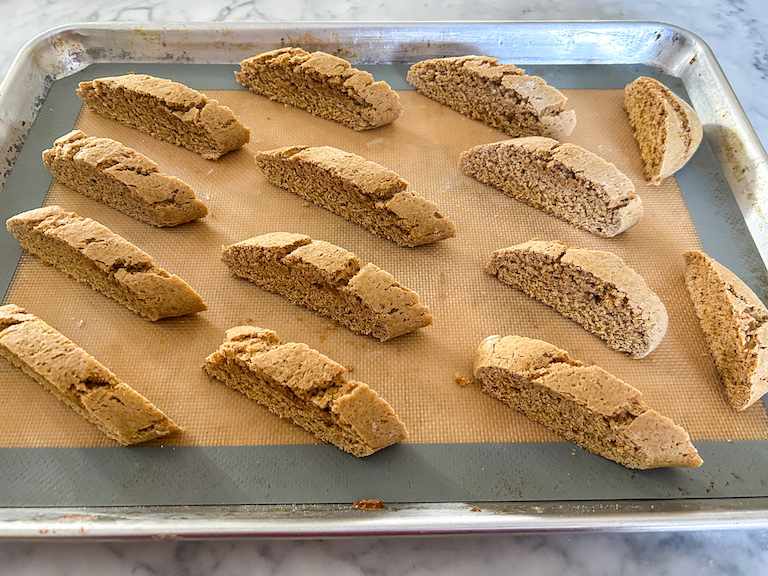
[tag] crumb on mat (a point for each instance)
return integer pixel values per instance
(460, 380)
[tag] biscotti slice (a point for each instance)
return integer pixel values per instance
(587, 405)
(91, 253)
(302, 385)
(120, 177)
(562, 179)
(735, 325)
(596, 289)
(78, 379)
(361, 191)
(666, 128)
(330, 281)
(168, 111)
(499, 95)
(322, 84)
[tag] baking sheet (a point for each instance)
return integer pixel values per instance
(444, 416)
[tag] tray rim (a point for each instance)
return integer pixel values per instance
(55, 53)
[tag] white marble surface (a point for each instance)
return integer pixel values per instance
(700, 554)
(737, 31)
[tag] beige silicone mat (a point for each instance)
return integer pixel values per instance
(416, 372)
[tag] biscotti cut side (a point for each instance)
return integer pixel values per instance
(322, 84)
(329, 280)
(168, 111)
(120, 177)
(302, 385)
(79, 380)
(596, 289)
(499, 95)
(587, 405)
(562, 179)
(91, 253)
(668, 131)
(358, 190)
(735, 325)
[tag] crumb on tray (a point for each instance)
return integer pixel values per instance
(369, 504)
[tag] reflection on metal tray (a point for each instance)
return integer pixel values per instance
(630, 48)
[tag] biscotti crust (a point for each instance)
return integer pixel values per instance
(595, 289)
(668, 131)
(330, 281)
(79, 380)
(302, 385)
(587, 405)
(499, 95)
(735, 325)
(562, 179)
(120, 177)
(94, 255)
(322, 84)
(358, 190)
(167, 111)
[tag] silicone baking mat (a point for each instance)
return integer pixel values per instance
(416, 373)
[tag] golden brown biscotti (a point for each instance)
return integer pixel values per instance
(120, 177)
(594, 288)
(358, 190)
(562, 179)
(302, 385)
(587, 405)
(666, 128)
(78, 379)
(499, 95)
(322, 84)
(168, 111)
(330, 281)
(735, 325)
(91, 253)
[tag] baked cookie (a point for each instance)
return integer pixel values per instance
(596, 289)
(330, 281)
(92, 254)
(358, 190)
(79, 380)
(323, 85)
(168, 111)
(666, 128)
(120, 177)
(735, 325)
(499, 95)
(302, 385)
(587, 405)
(562, 179)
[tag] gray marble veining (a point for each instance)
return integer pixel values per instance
(737, 31)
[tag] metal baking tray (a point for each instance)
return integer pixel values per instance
(64, 51)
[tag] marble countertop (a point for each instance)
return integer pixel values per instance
(736, 30)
